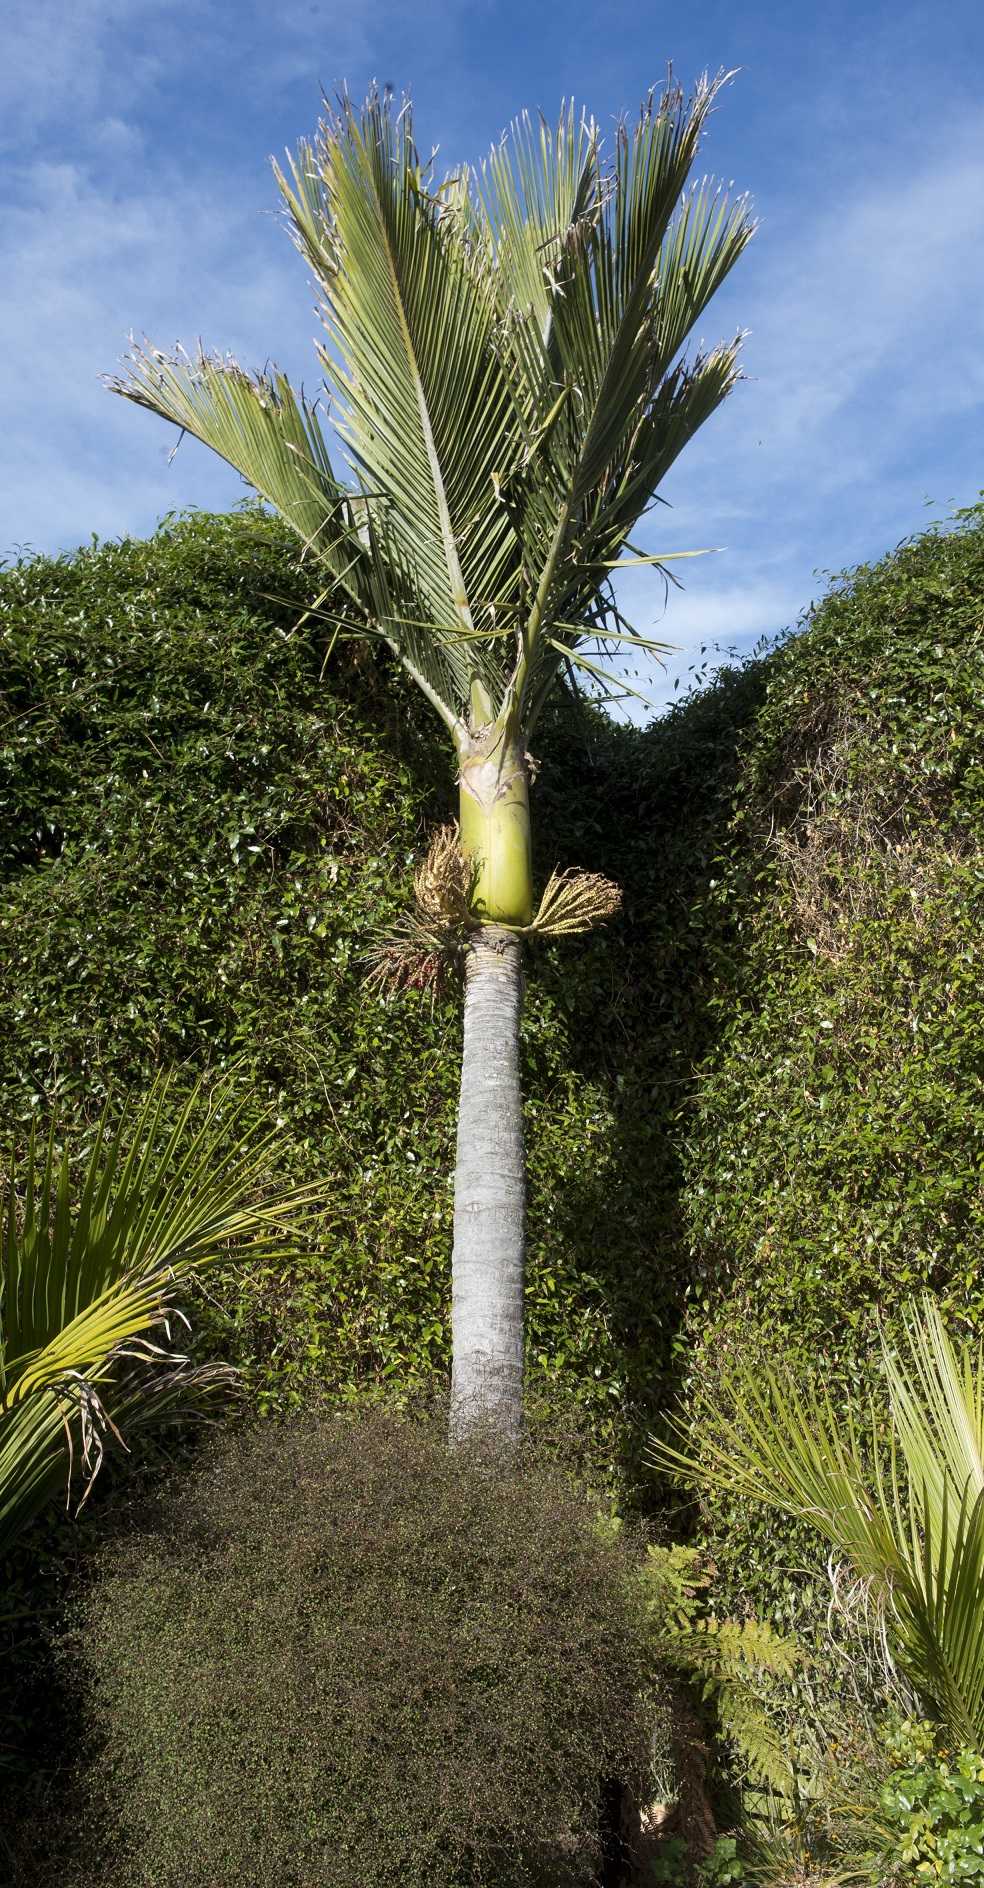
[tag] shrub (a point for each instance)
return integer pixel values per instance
(340, 1656)
(934, 1804)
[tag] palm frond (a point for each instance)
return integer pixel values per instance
(259, 425)
(87, 1274)
(906, 1508)
(506, 354)
(425, 407)
(937, 1408)
(535, 187)
(626, 281)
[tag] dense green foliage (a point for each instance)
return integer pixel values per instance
(836, 1142)
(933, 1803)
(838, 1136)
(340, 1655)
(753, 1101)
(756, 1097)
(200, 837)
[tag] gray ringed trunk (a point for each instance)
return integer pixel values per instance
(488, 1264)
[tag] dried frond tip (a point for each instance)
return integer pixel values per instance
(575, 902)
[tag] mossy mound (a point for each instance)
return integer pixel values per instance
(336, 1656)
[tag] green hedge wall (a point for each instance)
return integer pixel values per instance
(755, 1098)
(836, 1152)
(200, 834)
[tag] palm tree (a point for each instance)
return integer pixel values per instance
(87, 1285)
(506, 350)
(902, 1500)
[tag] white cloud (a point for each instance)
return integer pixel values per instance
(708, 625)
(866, 346)
(100, 234)
(866, 357)
(81, 266)
(63, 69)
(66, 68)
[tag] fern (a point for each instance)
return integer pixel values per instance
(735, 1665)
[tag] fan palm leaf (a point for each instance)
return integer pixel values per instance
(902, 1501)
(88, 1274)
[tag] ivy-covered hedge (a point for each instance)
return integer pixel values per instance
(835, 1155)
(754, 1099)
(201, 831)
(836, 1158)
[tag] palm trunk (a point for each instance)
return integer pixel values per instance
(490, 1174)
(494, 805)
(489, 1200)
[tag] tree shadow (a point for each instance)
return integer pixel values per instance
(624, 1018)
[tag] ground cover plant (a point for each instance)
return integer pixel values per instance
(340, 1654)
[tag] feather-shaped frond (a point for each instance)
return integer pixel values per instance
(506, 354)
(424, 404)
(260, 426)
(625, 283)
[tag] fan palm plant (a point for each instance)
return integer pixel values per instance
(902, 1501)
(88, 1281)
(506, 352)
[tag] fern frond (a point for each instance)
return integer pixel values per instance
(731, 1647)
(748, 1725)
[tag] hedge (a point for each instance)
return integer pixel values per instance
(754, 1099)
(201, 835)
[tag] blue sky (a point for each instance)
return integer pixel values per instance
(137, 194)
